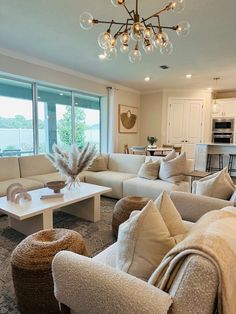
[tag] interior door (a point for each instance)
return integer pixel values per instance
(185, 124)
(194, 126)
(176, 125)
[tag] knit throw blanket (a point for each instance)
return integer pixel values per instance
(214, 237)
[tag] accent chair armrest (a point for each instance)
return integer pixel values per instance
(191, 207)
(86, 286)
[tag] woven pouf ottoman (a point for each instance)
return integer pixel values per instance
(31, 268)
(123, 209)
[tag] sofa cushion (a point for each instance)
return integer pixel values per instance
(110, 179)
(35, 165)
(218, 185)
(171, 216)
(27, 183)
(125, 163)
(173, 170)
(149, 170)
(108, 256)
(143, 241)
(55, 176)
(9, 168)
(99, 163)
(151, 188)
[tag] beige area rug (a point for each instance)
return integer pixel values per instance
(97, 236)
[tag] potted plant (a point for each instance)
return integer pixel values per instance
(152, 140)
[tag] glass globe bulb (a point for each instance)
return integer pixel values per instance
(148, 47)
(135, 56)
(160, 39)
(124, 39)
(178, 5)
(113, 42)
(86, 21)
(118, 3)
(167, 49)
(183, 29)
(104, 40)
(148, 33)
(137, 31)
(124, 48)
(110, 53)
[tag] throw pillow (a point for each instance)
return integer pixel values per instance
(218, 185)
(149, 170)
(171, 216)
(173, 170)
(98, 164)
(170, 156)
(143, 241)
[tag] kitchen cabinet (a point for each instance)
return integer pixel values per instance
(225, 108)
(185, 123)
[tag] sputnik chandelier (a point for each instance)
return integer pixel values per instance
(147, 33)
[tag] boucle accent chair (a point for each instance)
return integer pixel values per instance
(31, 268)
(96, 286)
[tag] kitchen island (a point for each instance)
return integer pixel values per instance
(215, 148)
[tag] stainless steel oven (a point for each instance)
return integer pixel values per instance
(223, 125)
(223, 137)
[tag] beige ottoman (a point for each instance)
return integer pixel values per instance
(31, 268)
(123, 209)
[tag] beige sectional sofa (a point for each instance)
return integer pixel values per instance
(121, 175)
(77, 279)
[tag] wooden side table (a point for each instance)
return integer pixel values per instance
(197, 174)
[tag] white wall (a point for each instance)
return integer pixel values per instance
(128, 99)
(151, 117)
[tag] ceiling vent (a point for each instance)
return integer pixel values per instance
(164, 67)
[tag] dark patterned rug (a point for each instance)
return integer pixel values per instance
(97, 236)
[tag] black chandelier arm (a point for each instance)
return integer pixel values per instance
(167, 8)
(129, 12)
(130, 24)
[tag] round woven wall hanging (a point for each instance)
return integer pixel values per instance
(128, 119)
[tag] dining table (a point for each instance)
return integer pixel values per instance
(162, 151)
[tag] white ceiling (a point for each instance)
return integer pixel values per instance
(49, 30)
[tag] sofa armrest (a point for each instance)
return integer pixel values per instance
(86, 286)
(191, 207)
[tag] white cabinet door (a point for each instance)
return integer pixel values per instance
(185, 124)
(225, 108)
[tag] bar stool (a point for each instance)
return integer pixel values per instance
(210, 159)
(232, 158)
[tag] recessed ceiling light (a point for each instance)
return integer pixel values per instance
(147, 79)
(102, 56)
(61, 94)
(188, 76)
(210, 88)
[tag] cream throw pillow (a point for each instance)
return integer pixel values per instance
(170, 156)
(149, 170)
(98, 164)
(171, 216)
(173, 170)
(218, 185)
(143, 241)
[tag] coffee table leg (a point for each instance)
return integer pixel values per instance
(33, 224)
(88, 209)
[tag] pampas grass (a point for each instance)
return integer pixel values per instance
(71, 164)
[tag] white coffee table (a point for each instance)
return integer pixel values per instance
(30, 217)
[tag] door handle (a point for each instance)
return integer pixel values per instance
(186, 141)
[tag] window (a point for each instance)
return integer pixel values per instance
(54, 118)
(16, 118)
(87, 120)
(61, 116)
